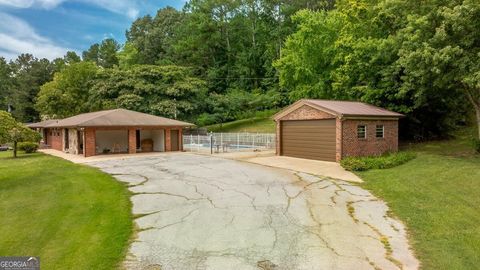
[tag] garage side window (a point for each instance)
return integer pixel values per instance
(379, 131)
(361, 131)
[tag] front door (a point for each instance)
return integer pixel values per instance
(174, 140)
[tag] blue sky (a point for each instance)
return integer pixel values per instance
(49, 28)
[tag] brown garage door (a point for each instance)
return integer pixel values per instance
(312, 139)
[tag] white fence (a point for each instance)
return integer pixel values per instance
(228, 142)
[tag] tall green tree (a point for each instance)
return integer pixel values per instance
(6, 84)
(28, 74)
(152, 37)
(440, 50)
(375, 51)
(68, 93)
(169, 91)
(103, 54)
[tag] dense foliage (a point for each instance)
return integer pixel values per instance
(419, 60)
(28, 147)
(170, 91)
(216, 61)
(380, 162)
(14, 132)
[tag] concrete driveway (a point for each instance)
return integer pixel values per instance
(200, 212)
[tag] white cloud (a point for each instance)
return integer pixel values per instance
(128, 8)
(17, 37)
(48, 4)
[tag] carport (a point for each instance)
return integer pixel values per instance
(115, 131)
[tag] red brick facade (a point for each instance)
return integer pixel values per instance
(55, 138)
(347, 143)
(132, 141)
(370, 146)
(89, 142)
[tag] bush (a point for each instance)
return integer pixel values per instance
(378, 162)
(28, 147)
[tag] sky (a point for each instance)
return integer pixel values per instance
(50, 28)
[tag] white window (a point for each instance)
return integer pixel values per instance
(379, 131)
(361, 131)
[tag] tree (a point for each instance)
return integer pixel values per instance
(169, 91)
(6, 84)
(68, 93)
(103, 54)
(377, 52)
(92, 53)
(128, 56)
(441, 50)
(28, 74)
(13, 132)
(152, 37)
(107, 53)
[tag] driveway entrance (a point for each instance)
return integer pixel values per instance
(201, 212)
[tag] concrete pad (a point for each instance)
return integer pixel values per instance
(81, 159)
(315, 167)
(202, 212)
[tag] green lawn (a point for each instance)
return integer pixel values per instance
(258, 125)
(437, 195)
(71, 216)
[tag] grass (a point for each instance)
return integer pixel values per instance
(437, 195)
(256, 125)
(71, 216)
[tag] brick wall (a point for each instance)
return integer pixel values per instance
(307, 113)
(168, 141)
(132, 141)
(89, 142)
(180, 139)
(55, 138)
(346, 142)
(353, 146)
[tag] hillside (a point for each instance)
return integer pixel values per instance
(254, 125)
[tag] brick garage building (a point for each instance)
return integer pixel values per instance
(112, 131)
(331, 130)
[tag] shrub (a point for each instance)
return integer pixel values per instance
(28, 147)
(376, 162)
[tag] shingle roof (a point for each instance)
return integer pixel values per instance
(351, 108)
(341, 108)
(42, 124)
(117, 118)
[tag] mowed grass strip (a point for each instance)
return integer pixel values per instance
(71, 216)
(437, 195)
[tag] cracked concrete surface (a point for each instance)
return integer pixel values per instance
(200, 212)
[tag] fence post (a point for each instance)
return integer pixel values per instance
(221, 140)
(238, 141)
(191, 141)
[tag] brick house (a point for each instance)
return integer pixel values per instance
(112, 131)
(331, 130)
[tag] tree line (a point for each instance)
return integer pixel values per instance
(216, 61)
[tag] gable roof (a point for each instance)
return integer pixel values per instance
(42, 124)
(340, 108)
(117, 118)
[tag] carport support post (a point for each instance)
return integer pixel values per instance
(132, 141)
